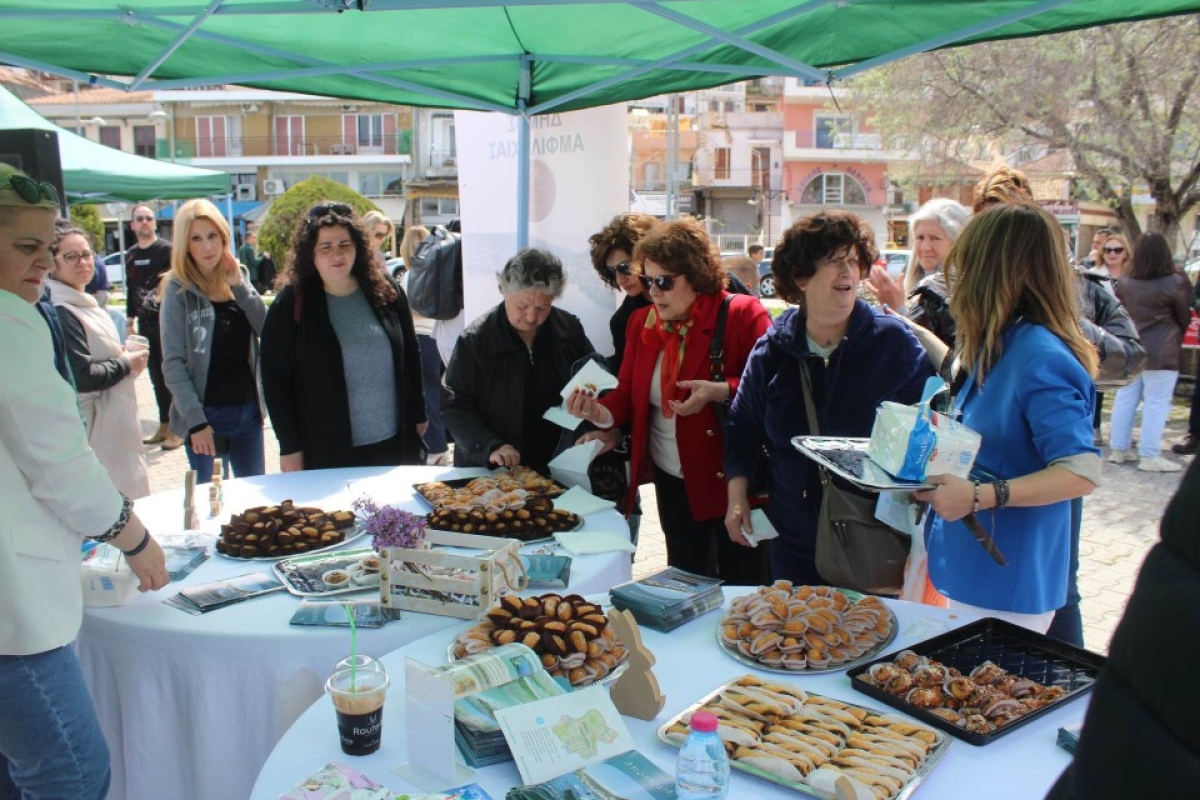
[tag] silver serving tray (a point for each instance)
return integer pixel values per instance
(355, 533)
(737, 655)
(847, 458)
(935, 755)
(301, 575)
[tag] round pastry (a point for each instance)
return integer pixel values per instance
(336, 578)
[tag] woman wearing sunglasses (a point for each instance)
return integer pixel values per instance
(668, 397)
(508, 368)
(612, 257)
(55, 494)
(103, 371)
(855, 356)
(341, 365)
(211, 317)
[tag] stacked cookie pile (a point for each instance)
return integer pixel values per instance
(269, 531)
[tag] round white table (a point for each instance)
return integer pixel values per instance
(192, 705)
(690, 663)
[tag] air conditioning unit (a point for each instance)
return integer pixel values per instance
(274, 186)
(245, 192)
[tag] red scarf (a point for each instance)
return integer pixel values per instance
(671, 338)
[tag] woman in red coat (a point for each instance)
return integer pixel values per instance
(667, 395)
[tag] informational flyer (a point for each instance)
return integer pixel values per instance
(552, 737)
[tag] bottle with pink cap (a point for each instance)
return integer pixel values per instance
(702, 770)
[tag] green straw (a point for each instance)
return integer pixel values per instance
(353, 647)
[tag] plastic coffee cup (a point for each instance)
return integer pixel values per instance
(135, 343)
(358, 694)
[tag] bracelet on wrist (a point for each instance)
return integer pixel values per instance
(141, 546)
(975, 510)
(115, 529)
(1002, 493)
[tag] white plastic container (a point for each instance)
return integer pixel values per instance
(106, 578)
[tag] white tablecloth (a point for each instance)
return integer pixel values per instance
(1023, 764)
(192, 705)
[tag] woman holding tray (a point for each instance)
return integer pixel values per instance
(856, 358)
(509, 366)
(55, 494)
(341, 364)
(667, 394)
(1024, 383)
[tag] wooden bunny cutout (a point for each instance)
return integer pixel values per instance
(635, 694)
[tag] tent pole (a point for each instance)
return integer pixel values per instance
(229, 219)
(523, 157)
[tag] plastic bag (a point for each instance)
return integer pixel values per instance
(914, 442)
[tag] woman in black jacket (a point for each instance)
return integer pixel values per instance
(340, 365)
(509, 367)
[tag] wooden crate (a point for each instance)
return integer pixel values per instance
(405, 582)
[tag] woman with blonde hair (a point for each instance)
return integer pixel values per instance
(1024, 382)
(1116, 256)
(211, 319)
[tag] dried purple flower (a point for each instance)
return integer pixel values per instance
(390, 526)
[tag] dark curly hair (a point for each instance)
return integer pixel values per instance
(814, 238)
(622, 233)
(683, 248)
(367, 269)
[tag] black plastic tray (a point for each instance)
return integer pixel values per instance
(1017, 650)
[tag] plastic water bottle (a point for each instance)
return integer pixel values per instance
(702, 770)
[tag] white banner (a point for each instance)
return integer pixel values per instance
(579, 180)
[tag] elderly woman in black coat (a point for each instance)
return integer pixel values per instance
(509, 367)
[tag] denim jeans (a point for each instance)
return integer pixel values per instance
(431, 380)
(51, 746)
(1153, 388)
(1068, 620)
(243, 426)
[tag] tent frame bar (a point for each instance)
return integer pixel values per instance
(183, 36)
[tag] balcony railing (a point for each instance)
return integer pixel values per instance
(252, 146)
(443, 159)
(824, 139)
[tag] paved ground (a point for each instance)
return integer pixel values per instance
(1120, 521)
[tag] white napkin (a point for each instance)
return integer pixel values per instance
(570, 467)
(593, 378)
(763, 529)
(586, 543)
(580, 501)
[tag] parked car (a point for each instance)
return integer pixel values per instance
(766, 281)
(114, 268)
(395, 267)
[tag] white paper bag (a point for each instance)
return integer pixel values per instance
(570, 467)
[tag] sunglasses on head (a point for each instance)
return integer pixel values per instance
(325, 209)
(1114, 249)
(624, 268)
(31, 191)
(664, 283)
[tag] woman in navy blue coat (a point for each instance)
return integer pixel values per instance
(857, 358)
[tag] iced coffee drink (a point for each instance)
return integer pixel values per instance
(358, 694)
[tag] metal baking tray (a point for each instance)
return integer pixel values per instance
(1017, 650)
(737, 655)
(847, 458)
(935, 755)
(301, 574)
(459, 483)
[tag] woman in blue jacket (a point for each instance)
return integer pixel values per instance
(1028, 391)
(857, 358)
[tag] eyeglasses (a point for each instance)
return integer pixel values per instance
(73, 259)
(143, 218)
(624, 268)
(1114, 249)
(665, 283)
(32, 191)
(325, 209)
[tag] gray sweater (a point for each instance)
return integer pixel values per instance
(186, 322)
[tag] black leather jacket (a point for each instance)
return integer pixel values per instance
(1106, 324)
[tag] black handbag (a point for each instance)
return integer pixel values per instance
(854, 549)
(760, 478)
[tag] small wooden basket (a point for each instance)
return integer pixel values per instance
(406, 578)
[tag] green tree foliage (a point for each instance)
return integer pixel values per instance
(88, 218)
(289, 209)
(1122, 101)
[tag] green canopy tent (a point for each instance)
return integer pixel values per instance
(521, 57)
(95, 173)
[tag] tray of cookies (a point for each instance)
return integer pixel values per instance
(981, 681)
(816, 745)
(271, 533)
(805, 629)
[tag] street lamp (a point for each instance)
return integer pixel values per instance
(158, 114)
